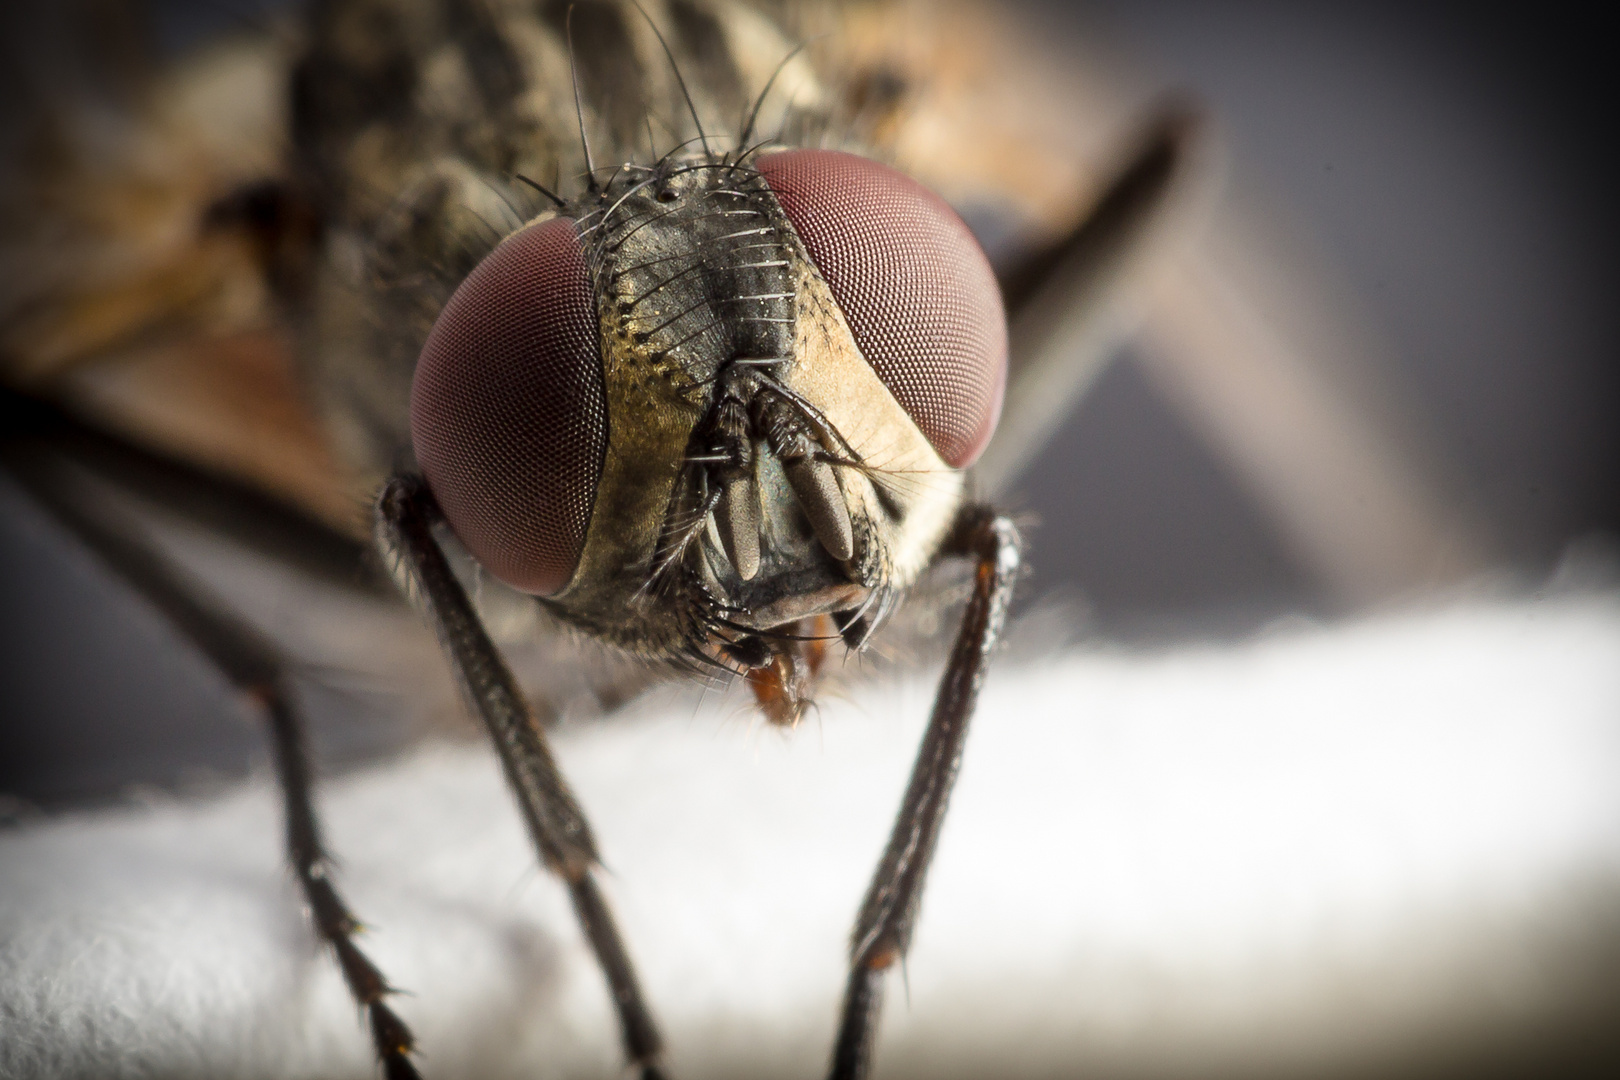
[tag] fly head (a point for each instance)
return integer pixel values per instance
(715, 410)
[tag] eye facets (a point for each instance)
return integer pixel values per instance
(918, 293)
(508, 411)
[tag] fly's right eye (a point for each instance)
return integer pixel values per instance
(508, 410)
(919, 295)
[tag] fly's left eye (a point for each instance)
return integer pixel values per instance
(508, 410)
(914, 285)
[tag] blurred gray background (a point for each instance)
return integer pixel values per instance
(1457, 163)
(1454, 161)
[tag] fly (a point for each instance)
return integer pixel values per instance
(597, 430)
(714, 406)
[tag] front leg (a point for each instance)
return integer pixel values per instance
(406, 514)
(889, 912)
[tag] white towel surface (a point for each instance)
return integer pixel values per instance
(1318, 843)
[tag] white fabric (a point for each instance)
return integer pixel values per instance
(1319, 840)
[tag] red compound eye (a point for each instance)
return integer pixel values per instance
(915, 286)
(508, 413)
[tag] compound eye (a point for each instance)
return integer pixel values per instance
(914, 285)
(508, 411)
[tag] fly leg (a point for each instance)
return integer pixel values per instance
(406, 513)
(254, 666)
(889, 912)
(1069, 307)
